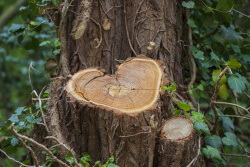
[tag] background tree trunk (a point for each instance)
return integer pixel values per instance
(97, 34)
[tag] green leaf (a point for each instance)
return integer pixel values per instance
(16, 27)
(212, 153)
(215, 75)
(197, 53)
(171, 87)
(19, 110)
(223, 92)
(32, 119)
(57, 43)
(197, 117)
(233, 63)
(237, 82)
(57, 52)
(200, 87)
(176, 111)
(44, 43)
(14, 118)
(214, 56)
(112, 165)
(230, 139)
(201, 127)
(86, 157)
(223, 7)
(111, 160)
(69, 158)
(14, 141)
(184, 106)
(214, 141)
(189, 4)
(191, 23)
(236, 48)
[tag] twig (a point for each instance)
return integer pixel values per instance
(67, 148)
(215, 94)
(198, 153)
(41, 109)
(126, 26)
(11, 128)
(191, 58)
(237, 116)
(28, 148)
(232, 104)
(20, 163)
(236, 155)
(135, 134)
(100, 29)
(44, 99)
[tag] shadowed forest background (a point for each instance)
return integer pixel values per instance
(29, 49)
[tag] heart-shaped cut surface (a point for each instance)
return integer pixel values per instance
(135, 87)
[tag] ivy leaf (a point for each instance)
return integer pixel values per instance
(215, 75)
(184, 106)
(223, 91)
(171, 87)
(230, 140)
(200, 87)
(19, 110)
(191, 23)
(112, 165)
(14, 118)
(211, 152)
(16, 27)
(14, 141)
(32, 119)
(197, 117)
(224, 6)
(57, 43)
(69, 158)
(189, 4)
(233, 63)
(86, 157)
(214, 56)
(214, 141)
(176, 111)
(44, 43)
(201, 127)
(237, 82)
(236, 48)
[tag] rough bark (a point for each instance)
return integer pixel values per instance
(99, 34)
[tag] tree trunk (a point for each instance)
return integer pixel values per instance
(101, 34)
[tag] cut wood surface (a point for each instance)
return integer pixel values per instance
(135, 87)
(178, 144)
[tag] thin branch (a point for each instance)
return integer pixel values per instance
(236, 155)
(135, 134)
(126, 26)
(12, 159)
(215, 94)
(41, 109)
(52, 156)
(231, 104)
(237, 116)
(67, 148)
(193, 65)
(30, 149)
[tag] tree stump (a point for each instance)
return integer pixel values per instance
(122, 113)
(178, 143)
